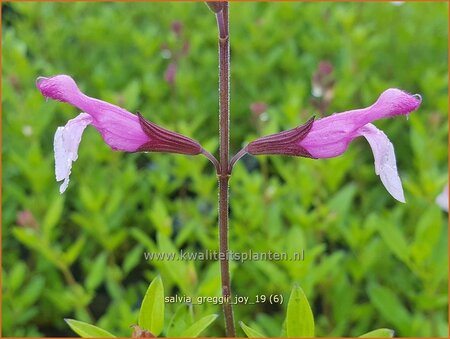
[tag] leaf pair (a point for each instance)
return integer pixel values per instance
(300, 320)
(150, 321)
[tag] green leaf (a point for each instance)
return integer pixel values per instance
(16, 276)
(161, 218)
(86, 330)
(177, 269)
(299, 318)
(116, 239)
(428, 232)
(379, 333)
(131, 92)
(283, 333)
(31, 293)
(96, 272)
(52, 216)
(144, 239)
(390, 306)
(250, 332)
(341, 202)
(199, 326)
(394, 239)
(132, 260)
(151, 315)
(30, 239)
(74, 251)
(179, 322)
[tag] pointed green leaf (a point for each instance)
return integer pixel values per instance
(180, 320)
(299, 318)
(250, 332)
(16, 277)
(427, 234)
(151, 315)
(30, 293)
(390, 306)
(177, 269)
(394, 239)
(52, 216)
(73, 251)
(96, 273)
(199, 326)
(283, 333)
(132, 259)
(379, 333)
(30, 239)
(161, 217)
(86, 330)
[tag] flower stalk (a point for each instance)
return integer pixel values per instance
(223, 172)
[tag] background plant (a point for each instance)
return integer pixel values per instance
(151, 319)
(369, 262)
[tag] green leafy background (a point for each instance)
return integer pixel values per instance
(370, 262)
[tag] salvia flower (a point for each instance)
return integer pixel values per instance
(330, 136)
(120, 129)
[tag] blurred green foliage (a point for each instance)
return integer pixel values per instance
(370, 262)
(151, 319)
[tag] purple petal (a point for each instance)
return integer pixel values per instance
(66, 142)
(385, 163)
(119, 128)
(390, 103)
(330, 136)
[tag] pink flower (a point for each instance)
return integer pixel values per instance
(329, 137)
(120, 129)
